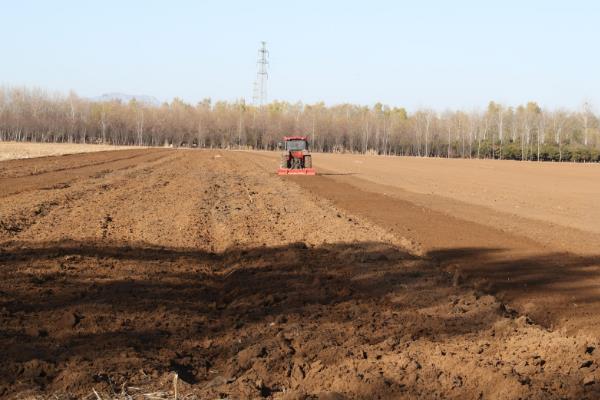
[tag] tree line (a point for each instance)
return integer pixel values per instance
(523, 132)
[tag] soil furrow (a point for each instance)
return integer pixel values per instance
(19, 212)
(22, 167)
(65, 176)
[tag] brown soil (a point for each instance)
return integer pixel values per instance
(16, 150)
(120, 269)
(556, 193)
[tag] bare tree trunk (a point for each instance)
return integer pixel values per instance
(540, 133)
(427, 123)
(367, 135)
(140, 128)
(449, 129)
(501, 130)
(103, 125)
(478, 144)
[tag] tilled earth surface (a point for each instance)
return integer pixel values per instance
(119, 270)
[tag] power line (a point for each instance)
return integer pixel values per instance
(260, 84)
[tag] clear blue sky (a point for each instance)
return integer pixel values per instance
(443, 54)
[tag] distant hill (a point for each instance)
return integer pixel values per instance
(126, 98)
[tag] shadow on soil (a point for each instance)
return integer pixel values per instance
(547, 275)
(132, 307)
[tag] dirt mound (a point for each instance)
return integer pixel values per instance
(245, 286)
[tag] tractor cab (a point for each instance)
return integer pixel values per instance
(296, 158)
(296, 144)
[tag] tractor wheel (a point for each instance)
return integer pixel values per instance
(284, 162)
(307, 162)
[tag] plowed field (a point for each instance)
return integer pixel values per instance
(376, 279)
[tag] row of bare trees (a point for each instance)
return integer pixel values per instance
(525, 132)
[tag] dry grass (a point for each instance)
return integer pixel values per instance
(14, 150)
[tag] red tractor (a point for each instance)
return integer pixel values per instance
(296, 159)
